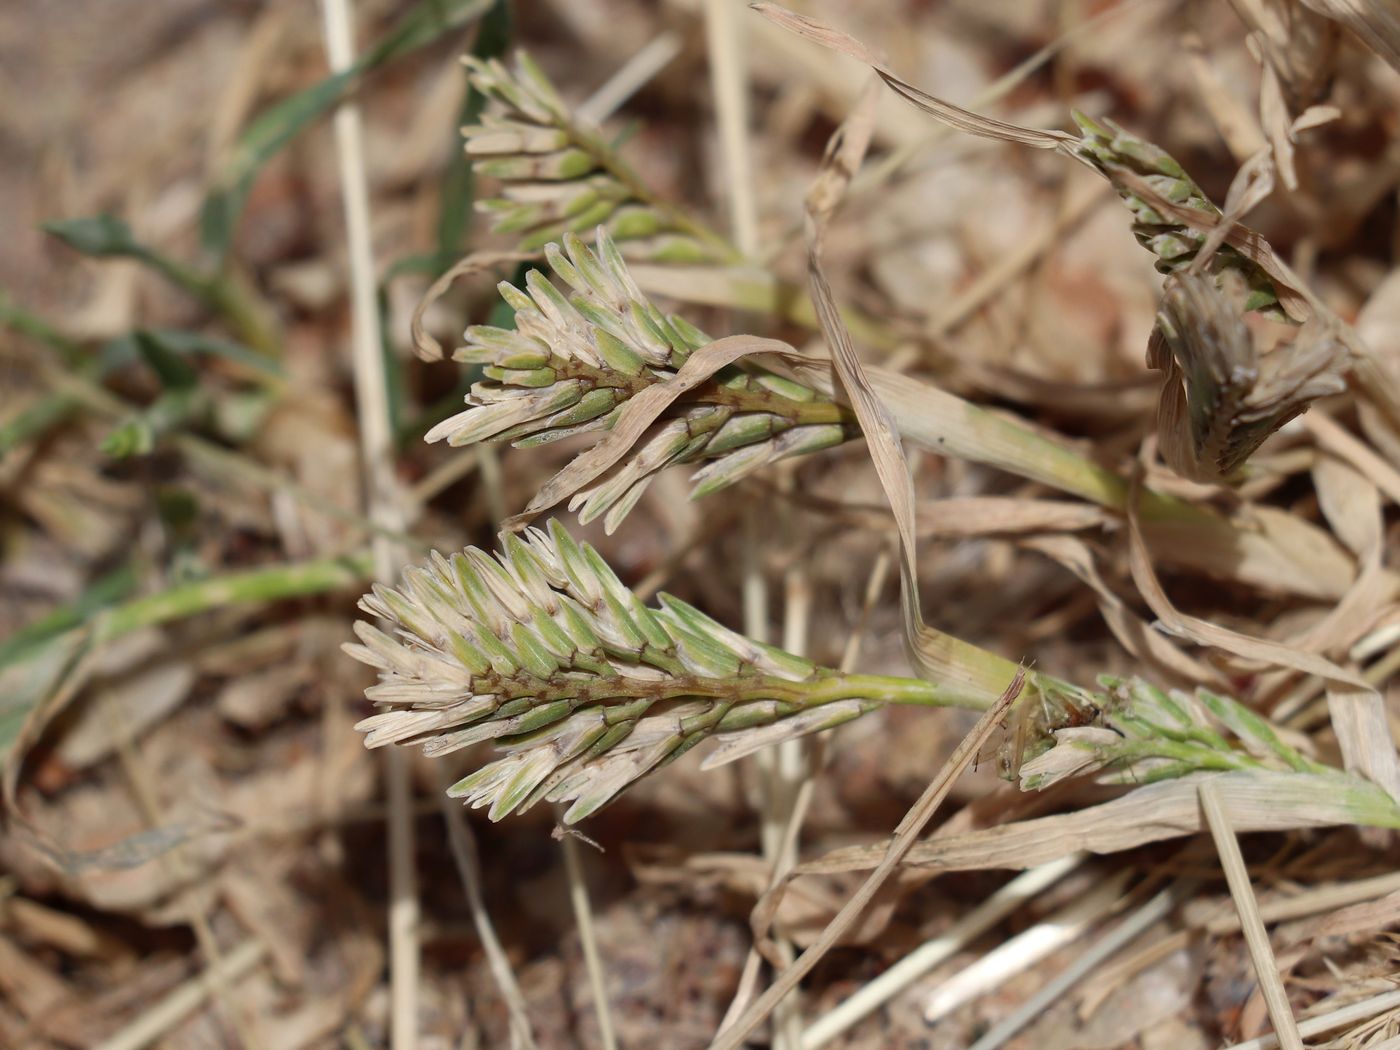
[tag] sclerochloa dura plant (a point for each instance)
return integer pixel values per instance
(542, 650)
(571, 363)
(559, 176)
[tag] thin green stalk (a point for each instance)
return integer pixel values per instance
(82, 392)
(227, 295)
(888, 689)
(31, 324)
(273, 583)
(1293, 555)
(38, 418)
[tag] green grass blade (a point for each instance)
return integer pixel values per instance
(265, 136)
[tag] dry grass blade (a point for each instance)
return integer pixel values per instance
(1027, 949)
(1285, 1025)
(1259, 800)
(1131, 630)
(1204, 633)
(915, 965)
(903, 840)
(428, 348)
(1303, 903)
(1330, 1022)
(955, 116)
(1340, 442)
(593, 961)
(169, 1011)
(1074, 975)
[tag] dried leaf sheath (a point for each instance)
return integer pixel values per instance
(573, 360)
(544, 651)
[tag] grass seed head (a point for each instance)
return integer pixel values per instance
(1221, 398)
(559, 176)
(1139, 734)
(1113, 150)
(543, 650)
(576, 355)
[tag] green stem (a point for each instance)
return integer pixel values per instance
(34, 326)
(1290, 554)
(84, 393)
(888, 689)
(273, 583)
(797, 412)
(246, 313)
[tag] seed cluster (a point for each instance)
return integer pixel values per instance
(572, 361)
(543, 650)
(558, 176)
(1112, 149)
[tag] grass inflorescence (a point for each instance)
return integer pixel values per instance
(573, 360)
(559, 176)
(543, 650)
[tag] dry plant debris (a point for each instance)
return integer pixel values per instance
(938, 348)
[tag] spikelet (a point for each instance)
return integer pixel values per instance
(1112, 151)
(1139, 734)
